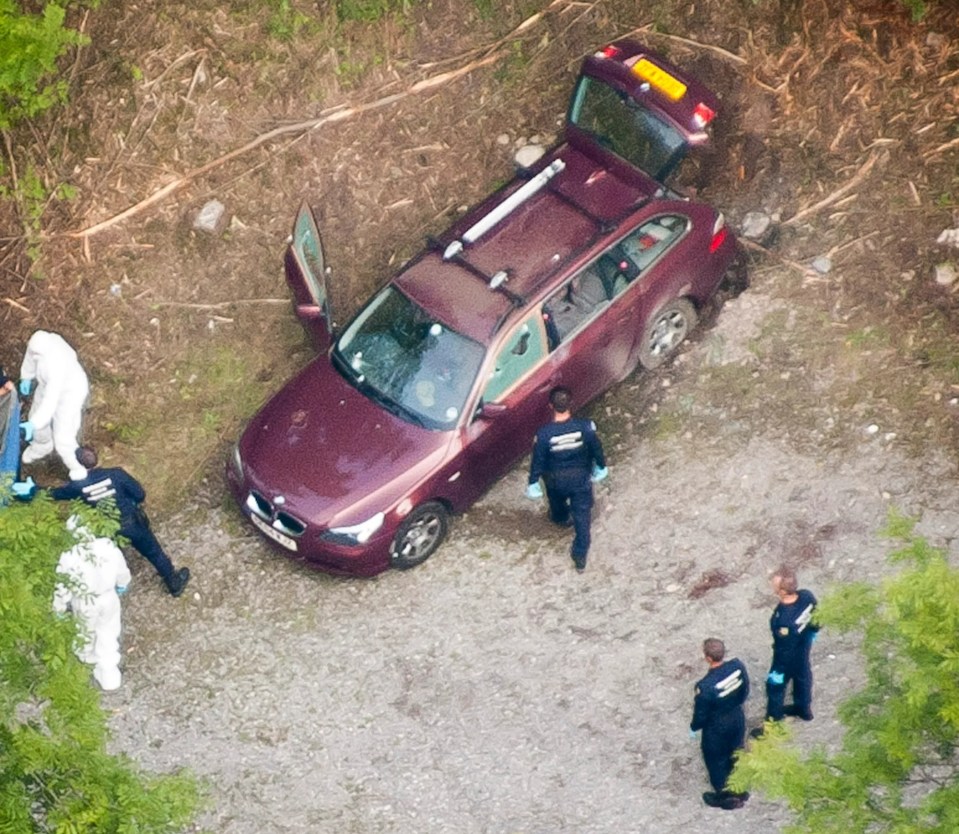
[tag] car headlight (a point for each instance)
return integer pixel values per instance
(237, 462)
(355, 533)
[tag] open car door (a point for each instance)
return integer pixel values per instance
(9, 438)
(306, 274)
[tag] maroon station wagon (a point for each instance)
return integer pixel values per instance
(582, 267)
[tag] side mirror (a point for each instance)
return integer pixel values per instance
(490, 411)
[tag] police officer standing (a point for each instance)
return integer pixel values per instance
(718, 712)
(116, 484)
(568, 456)
(793, 635)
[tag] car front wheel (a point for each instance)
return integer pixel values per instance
(665, 332)
(419, 536)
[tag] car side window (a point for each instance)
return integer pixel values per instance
(577, 301)
(525, 348)
(651, 240)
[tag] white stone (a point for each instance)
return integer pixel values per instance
(755, 225)
(211, 218)
(949, 237)
(946, 274)
(528, 155)
(822, 264)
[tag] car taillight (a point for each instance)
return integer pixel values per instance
(703, 115)
(719, 233)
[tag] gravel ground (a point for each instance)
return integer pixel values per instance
(495, 690)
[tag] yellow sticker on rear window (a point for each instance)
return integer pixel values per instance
(667, 84)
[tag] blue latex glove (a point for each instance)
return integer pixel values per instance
(24, 490)
(600, 473)
(815, 637)
(25, 386)
(777, 678)
(121, 589)
(534, 491)
(694, 734)
(27, 428)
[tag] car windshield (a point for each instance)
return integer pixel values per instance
(412, 364)
(622, 125)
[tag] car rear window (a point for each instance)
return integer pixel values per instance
(622, 125)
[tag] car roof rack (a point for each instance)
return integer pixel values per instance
(496, 282)
(509, 205)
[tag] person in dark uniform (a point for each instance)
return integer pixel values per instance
(128, 494)
(568, 456)
(793, 632)
(718, 712)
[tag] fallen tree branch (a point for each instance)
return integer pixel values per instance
(221, 304)
(859, 176)
(647, 29)
(494, 53)
(335, 115)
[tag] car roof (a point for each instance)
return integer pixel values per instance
(582, 205)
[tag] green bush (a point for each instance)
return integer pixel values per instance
(895, 771)
(56, 774)
(30, 45)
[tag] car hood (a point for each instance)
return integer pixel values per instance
(331, 452)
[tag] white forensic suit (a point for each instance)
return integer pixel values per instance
(92, 571)
(61, 393)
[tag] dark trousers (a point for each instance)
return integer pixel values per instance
(572, 499)
(138, 531)
(719, 745)
(799, 672)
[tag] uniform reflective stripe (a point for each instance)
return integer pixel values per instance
(566, 442)
(729, 684)
(803, 619)
(100, 490)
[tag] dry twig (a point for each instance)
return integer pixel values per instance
(757, 247)
(647, 29)
(219, 305)
(493, 54)
(16, 304)
(859, 176)
(952, 143)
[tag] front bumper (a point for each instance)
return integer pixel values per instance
(301, 542)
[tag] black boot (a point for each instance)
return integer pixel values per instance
(180, 580)
(797, 712)
(730, 801)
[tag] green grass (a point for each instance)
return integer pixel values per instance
(181, 428)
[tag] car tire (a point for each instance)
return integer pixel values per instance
(420, 535)
(665, 331)
(736, 278)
